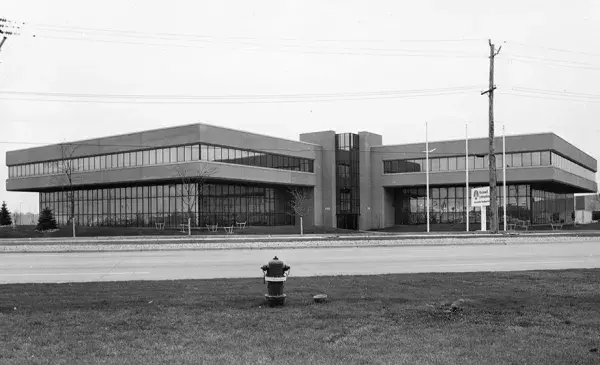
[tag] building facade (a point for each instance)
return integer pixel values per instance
(355, 181)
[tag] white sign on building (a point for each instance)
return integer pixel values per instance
(480, 197)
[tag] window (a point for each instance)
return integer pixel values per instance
(244, 158)
(443, 164)
(86, 164)
(195, 150)
(526, 159)
(120, 158)
(126, 160)
(435, 164)
(294, 165)
(180, 154)
(471, 162)
(460, 163)
(146, 157)
(535, 159)
(452, 164)
(232, 154)
(217, 153)
(173, 156)
(139, 158)
(516, 160)
(97, 162)
(165, 155)
(545, 158)
(508, 161)
(269, 160)
(479, 162)
(203, 152)
(159, 156)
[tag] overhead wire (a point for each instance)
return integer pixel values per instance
(229, 99)
(191, 40)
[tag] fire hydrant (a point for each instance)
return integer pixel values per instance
(274, 274)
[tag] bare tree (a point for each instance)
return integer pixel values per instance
(64, 170)
(299, 204)
(193, 182)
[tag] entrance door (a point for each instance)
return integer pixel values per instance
(347, 221)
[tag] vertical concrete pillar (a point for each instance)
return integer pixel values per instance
(368, 213)
(324, 191)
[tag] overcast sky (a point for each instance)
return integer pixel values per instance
(431, 55)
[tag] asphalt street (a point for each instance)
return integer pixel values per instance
(205, 264)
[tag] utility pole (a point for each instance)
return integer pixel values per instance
(492, 155)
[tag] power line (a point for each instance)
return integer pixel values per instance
(281, 48)
(566, 64)
(233, 96)
(557, 92)
(246, 41)
(536, 96)
(76, 29)
(554, 49)
(230, 99)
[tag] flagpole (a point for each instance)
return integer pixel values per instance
(467, 171)
(504, 172)
(427, 174)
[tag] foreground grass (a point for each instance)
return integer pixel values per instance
(506, 318)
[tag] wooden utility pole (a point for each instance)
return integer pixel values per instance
(492, 155)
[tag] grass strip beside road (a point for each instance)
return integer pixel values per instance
(537, 317)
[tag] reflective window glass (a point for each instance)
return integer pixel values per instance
(535, 158)
(526, 159)
(452, 164)
(545, 158)
(516, 160)
(443, 164)
(173, 156)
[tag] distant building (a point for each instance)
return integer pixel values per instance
(586, 205)
(355, 180)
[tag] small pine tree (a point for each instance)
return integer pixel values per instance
(5, 217)
(46, 220)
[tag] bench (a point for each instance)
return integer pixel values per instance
(556, 226)
(229, 230)
(212, 227)
(518, 223)
(241, 225)
(160, 226)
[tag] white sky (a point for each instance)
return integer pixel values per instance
(300, 47)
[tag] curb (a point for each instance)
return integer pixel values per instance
(209, 246)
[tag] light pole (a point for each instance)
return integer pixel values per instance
(21, 213)
(504, 174)
(467, 171)
(427, 152)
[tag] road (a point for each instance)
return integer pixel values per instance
(204, 264)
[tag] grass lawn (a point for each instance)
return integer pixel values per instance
(67, 231)
(536, 317)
